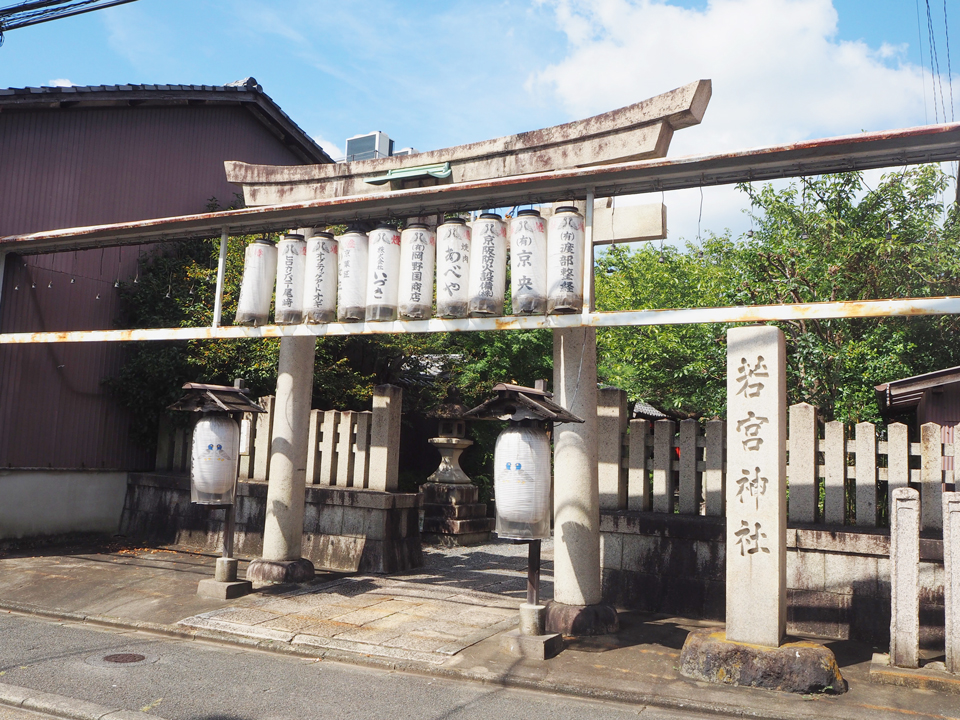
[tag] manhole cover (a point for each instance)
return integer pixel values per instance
(125, 658)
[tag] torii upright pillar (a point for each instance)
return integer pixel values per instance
(577, 607)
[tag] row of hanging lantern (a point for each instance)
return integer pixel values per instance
(389, 274)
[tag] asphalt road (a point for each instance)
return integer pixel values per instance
(178, 680)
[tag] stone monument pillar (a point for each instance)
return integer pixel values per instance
(756, 486)
(286, 488)
(905, 578)
(577, 607)
(752, 650)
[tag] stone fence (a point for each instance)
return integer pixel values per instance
(834, 478)
(354, 518)
(662, 490)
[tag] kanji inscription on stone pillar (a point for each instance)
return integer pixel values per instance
(756, 485)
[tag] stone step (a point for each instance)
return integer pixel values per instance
(450, 526)
(457, 512)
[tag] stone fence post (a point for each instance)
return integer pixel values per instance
(905, 578)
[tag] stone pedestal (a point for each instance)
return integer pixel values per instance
(280, 571)
(799, 667)
(224, 585)
(450, 449)
(453, 515)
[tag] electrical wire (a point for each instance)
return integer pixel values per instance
(24, 14)
(935, 67)
(923, 81)
(946, 32)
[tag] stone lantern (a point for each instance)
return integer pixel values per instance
(449, 502)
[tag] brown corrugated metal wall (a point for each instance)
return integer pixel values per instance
(74, 167)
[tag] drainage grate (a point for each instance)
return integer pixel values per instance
(124, 658)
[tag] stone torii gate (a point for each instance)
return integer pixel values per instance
(577, 574)
(640, 131)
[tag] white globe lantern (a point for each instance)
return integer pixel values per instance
(320, 279)
(383, 274)
(453, 268)
(352, 277)
(214, 459)
(565, 252)
(418, 254)
(528, 263)
(522, 482)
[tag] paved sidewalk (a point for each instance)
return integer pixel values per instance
(444, 619)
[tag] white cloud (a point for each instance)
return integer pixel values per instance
(334, 150)
(779, 73)
(59, 82)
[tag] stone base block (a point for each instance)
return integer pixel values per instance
(533, 619)
(219, 590)
(280, 571)
(799, 667)
(226, 570)
(599, 619)
(449, 494)
(531, 647)
(932, 676)
(462, 540)
(452, 511)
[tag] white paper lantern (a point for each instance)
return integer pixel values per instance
(528, 263)
(352, 277)
(320, 279)
(291, 256)
(383, 274)
(418, 252)
(256, 288)
(453, 268)
(522, 482)
(216, 451)
(488, 265)
(565, 252)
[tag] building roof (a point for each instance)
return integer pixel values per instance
(246, 93)
(644, 411)
(903, 395)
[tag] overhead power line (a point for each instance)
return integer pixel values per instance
(24, 14)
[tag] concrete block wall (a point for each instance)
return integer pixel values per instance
(345, 529)
(46, 503)
(838, 581)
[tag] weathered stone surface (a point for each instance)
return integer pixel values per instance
(280, 571)
(576, 494)
(533, 619)
(932, 676)
(598, 619)
(384, 451)
(799, 667)
(447, 494)
(756, 485)
(531, 647)
(904, 578)
(951, 581)
(226, 570)
(212, 588)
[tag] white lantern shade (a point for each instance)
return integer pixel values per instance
(216, 452)
(528, 263)
(565, 252)
(453, 269)
(418, 253)
(488, 265)
(256, 287)
(352, 277)
(320, 279)
(522, 483)
(291, 257)
(383, 274)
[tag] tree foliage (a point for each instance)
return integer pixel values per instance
(818, 240)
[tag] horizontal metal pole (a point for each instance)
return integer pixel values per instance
(686, 316)
(935, 143)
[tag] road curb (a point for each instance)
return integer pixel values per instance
(414, 667)
(64, 707)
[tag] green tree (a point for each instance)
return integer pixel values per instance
(822, 239)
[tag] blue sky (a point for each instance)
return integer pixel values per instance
(435, 73)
